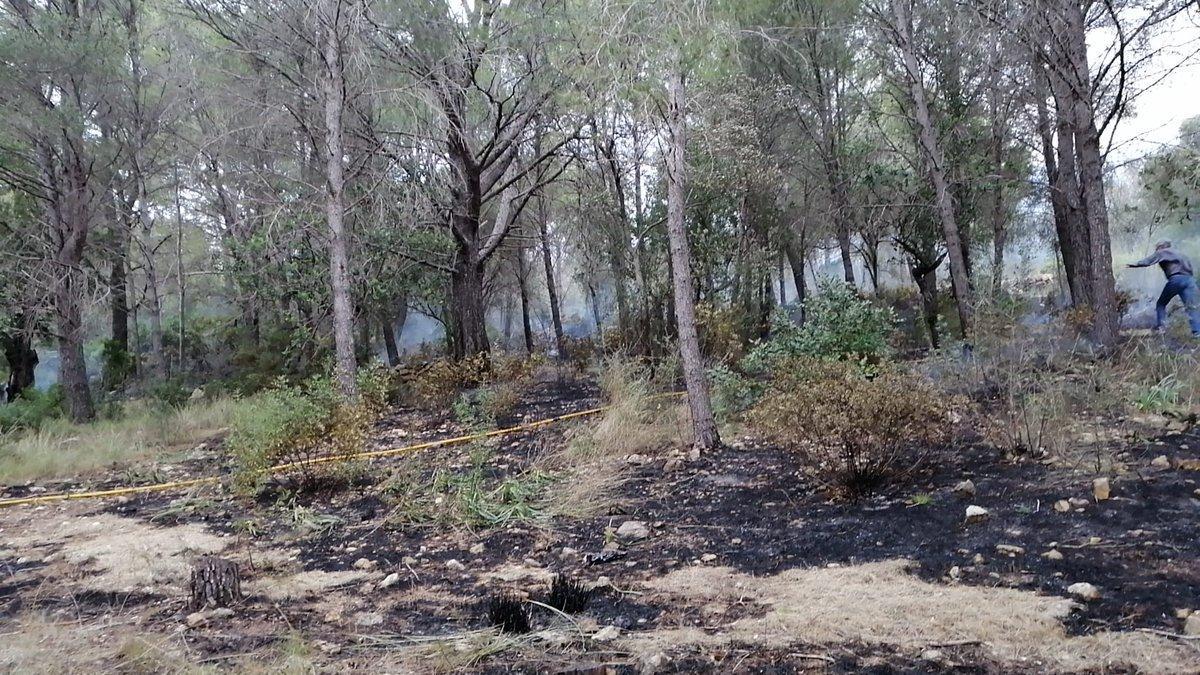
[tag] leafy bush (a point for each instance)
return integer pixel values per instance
(852, 429)
(732, 393)
(116, 364)
(839, 325)
(32, 408)
(291, 426)
(720, 331)
(170, 392)
(441, 381)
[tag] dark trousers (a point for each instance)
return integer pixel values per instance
(1183, 285)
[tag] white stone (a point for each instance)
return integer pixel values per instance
(633, 529)
(455, 565)
(1009, 549)
(1192, 625)
(607, 634)
(1084, 590)
(390, 580)
(1052, 554)
(976, 513)
(1161, 462)
(1062, 506)
(1101, 489)
(708, 557)
(965, 489)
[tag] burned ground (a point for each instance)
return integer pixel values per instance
(317, 571)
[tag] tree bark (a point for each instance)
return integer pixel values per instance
(523, 285)
(795, 257)
(551, 284)
(333, 95)
(22, 359)
(389, 340)
(704, 426)
(935, 165)
(926, 278)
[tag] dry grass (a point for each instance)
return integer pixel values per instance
(882, 603)
(118, 554)
(60, 449)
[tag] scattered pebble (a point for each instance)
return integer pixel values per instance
(708, 557)
(1084, 590)
(365, 564)
(1101, 489)
(1052, 554)
(389, 581)
(1010, 549)
(1161, 462)
(1192, 625)
(477, 548)
(633, 529)
(607, 634)
(965, 489)
(455, 565)
(976, 514)
(1062, 506)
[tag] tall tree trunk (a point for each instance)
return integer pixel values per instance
(388, 330)
(158, 355)
(1091, 178)
(551, 284)
(118, 285)
(70, 216)
(333, 94)
(795, 257)
(1056, 191)
(935, 164)
(22, 358)
(523, 285)
(926, 278)
(704, 426)
(468, 325)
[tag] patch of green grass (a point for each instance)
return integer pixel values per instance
(59, 448)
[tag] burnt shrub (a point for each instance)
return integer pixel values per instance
(568, 595)
(854, 428)
(508, 613)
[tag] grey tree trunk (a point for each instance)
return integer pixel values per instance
(333, 93)
(704, 426)
(936, 166)
(551, 284)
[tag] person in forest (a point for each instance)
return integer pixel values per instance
(1180, 281)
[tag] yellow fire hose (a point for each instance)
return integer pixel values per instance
(369, 454)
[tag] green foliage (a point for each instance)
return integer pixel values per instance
(1162, 396)
(32, 408)
(732, 393)
(170, 392)
(851, 428)
(839, 325)
(117, 363)
(290, 426)
(471, 498)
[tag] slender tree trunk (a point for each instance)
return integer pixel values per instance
(118, 286)
(926, 277)
(21, 356)
(158, 355)
(388, 330)
(704, 426)
(551, 284)
(935, 165)
(795, 257)
(1055, 191)
(333, 95)
(523, 286)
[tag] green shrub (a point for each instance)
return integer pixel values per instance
(838, 325)
(117, 364)
(32, 408)
(732, 393)
(170, 393)
(292, 425)
(852, 429)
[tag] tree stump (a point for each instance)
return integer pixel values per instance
(216, 582)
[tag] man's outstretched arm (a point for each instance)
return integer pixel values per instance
(1152, 259)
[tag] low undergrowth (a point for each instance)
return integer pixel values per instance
(310, 429)
(854, 428)
(58, 448)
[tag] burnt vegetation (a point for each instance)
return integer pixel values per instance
(597, 336)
